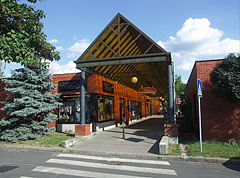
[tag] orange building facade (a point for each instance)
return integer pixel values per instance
(106, 102)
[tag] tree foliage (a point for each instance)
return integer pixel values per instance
(226, 78)
(29, 105)
(179, 86)
(21, 37)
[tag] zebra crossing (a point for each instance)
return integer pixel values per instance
(97, 167)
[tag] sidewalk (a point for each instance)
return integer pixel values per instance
(141, 142)
(141, 138)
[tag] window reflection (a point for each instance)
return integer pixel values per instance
(135, 108)
(105, 108)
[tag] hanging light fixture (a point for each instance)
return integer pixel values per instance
(134, 79)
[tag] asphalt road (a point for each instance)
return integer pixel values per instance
(36, 164)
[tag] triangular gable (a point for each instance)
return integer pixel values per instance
(120, 38)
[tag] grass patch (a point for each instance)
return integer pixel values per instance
(53, 140)
(174, 150)
(214, 149)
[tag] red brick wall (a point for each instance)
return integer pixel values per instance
(220, 118)
(3, 97)
(190, 90)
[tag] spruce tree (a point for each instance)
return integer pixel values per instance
(30, 104)
(1, 73)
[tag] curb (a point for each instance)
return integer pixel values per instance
(127, 156)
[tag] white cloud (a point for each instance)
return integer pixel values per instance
(53, 41)
(198, 40)
(56, 68)
(77, 48)
(59, 48)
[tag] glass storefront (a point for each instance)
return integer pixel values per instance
(105, 108)
(69, 112)
(135, 108)
(99, 108)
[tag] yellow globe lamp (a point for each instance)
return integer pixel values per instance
(134, 79)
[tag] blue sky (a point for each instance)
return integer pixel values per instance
(190, 29)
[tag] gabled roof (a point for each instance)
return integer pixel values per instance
(122, 51)
(120, 38)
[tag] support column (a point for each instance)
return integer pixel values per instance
(170, 92)
(82, 98)
(171, 128)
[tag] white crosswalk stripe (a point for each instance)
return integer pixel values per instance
(114, 159)
(115, 167)
(96, 166)
(73, 172)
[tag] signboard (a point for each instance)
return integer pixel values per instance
(107, 87)
(199, 88)
(70, 85)
(147, 90)
(199, 91)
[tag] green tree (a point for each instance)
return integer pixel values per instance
(30, 104)
(179, 86)
(226, 78)
(21, 37)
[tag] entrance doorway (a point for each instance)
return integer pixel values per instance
(122, 109)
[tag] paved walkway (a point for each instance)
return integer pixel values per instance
(141, 138)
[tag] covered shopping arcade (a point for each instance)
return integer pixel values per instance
(122, 51)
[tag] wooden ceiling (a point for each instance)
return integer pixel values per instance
(129, 53)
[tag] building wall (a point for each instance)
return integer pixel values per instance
(220, 118)
(94, 85)
(191, 103)
(3, 97)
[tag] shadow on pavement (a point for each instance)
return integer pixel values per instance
(134, 140)
(155, 148)
(149, 129)
(233, 163)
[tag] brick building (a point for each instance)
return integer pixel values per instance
(220, 118)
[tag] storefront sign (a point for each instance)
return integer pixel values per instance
(147, 90)
(107, 87)
(71, 85)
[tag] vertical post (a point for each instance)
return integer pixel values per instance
(174, 96)
(82, 97)
(200, 124)
(170, 91)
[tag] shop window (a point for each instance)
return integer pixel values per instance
(135, 108)
(69, 112)
(105, 108)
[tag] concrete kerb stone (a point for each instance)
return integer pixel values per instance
(70, 142)
(163, 145)
(31, 148)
